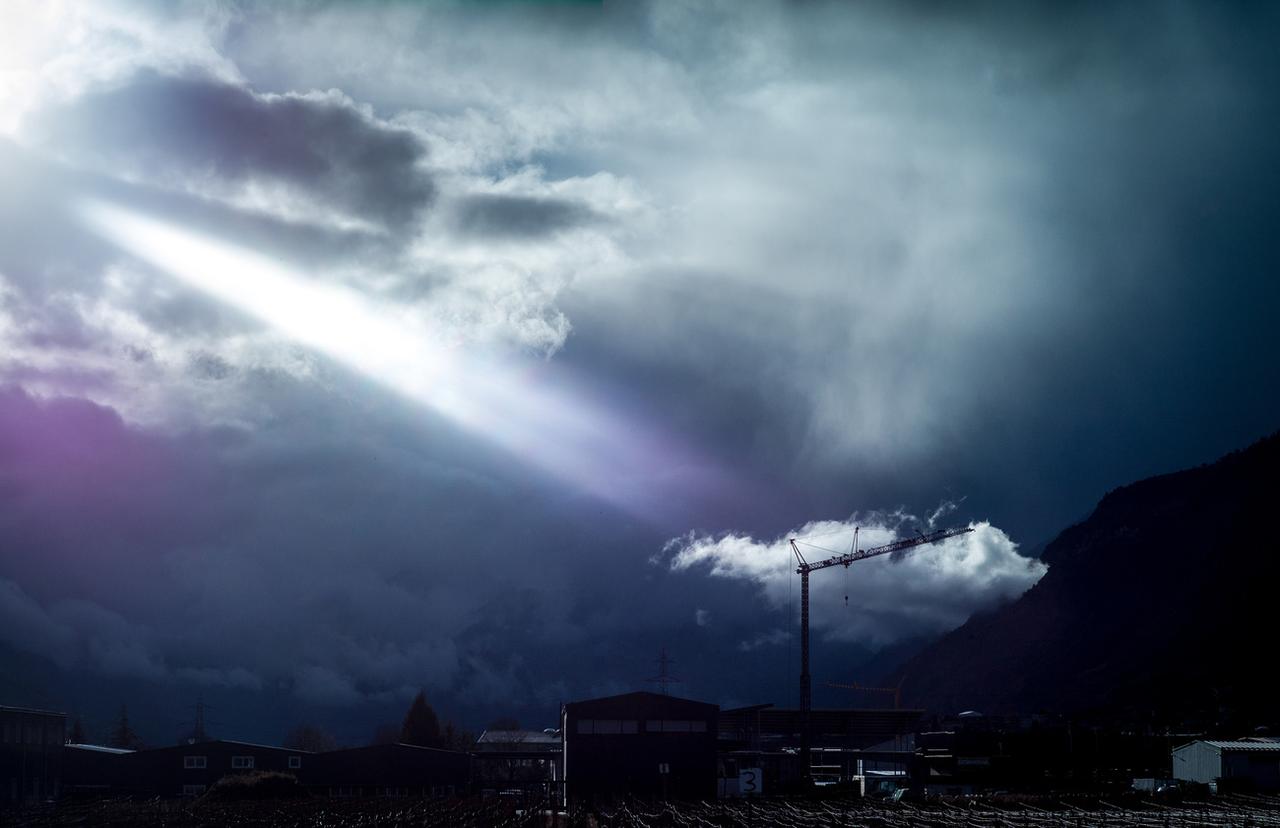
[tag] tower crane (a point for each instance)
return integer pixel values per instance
(803, 568)
(896, 692)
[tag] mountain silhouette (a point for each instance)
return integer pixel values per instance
(1160, 607)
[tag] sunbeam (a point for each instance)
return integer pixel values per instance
(596, 450)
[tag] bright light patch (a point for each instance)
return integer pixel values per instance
(331, 319)
(561, 432)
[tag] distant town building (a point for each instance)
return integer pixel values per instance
(31, 743)
(765, 727)
(639, 744)
(1248, 764)
(847, 744)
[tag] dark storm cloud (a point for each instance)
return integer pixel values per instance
(194, 130)
(1013, 257)
(1117, 270)
(344, 572)
(221, 517)
(510, 216)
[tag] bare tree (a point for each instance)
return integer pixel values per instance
(311, 738)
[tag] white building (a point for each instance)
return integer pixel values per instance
(1250, 762)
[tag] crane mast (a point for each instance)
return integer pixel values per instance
(803, 568)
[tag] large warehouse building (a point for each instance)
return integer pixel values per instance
(641, 744)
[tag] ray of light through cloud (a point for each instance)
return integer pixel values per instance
(564, 433)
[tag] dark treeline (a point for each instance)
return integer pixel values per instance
(420, 726)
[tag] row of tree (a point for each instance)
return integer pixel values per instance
(421, 726)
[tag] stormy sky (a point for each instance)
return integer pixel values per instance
(488, 348)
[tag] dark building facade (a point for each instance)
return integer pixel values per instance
(31, 747)
(388, 770)
(190, 770)
(89, 770)
(765, 727)
(640, 744)
(847, 744)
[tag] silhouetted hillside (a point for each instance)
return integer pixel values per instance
(1162, 605)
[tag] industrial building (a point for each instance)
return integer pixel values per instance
(387, 770)
(1248, 764)
(524, 760)
(846, 745)
(641, 744)
(31, 744)
(89, 770)
(190, 770)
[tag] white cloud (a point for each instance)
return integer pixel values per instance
(927, 591)
(52, 50)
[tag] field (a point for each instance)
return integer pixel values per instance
(285, 813)
(1237, 810)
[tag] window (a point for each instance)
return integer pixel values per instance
(600, 727)
(675, 726)
(295, 762)
(242, 762)
(192, 790)
(192, 762)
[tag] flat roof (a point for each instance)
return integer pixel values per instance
(97, 748)
(31, 710)
(640, 695)
(234, 742)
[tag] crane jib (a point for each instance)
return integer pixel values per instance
(896, 546)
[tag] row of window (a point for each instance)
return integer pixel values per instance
(619, 726)
(237, 762)
(31, 733)
(349, 791)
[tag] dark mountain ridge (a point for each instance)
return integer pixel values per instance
(1160, 607)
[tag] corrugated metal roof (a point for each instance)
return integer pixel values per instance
(97, 748)
(1272, 746)
(518, 737)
